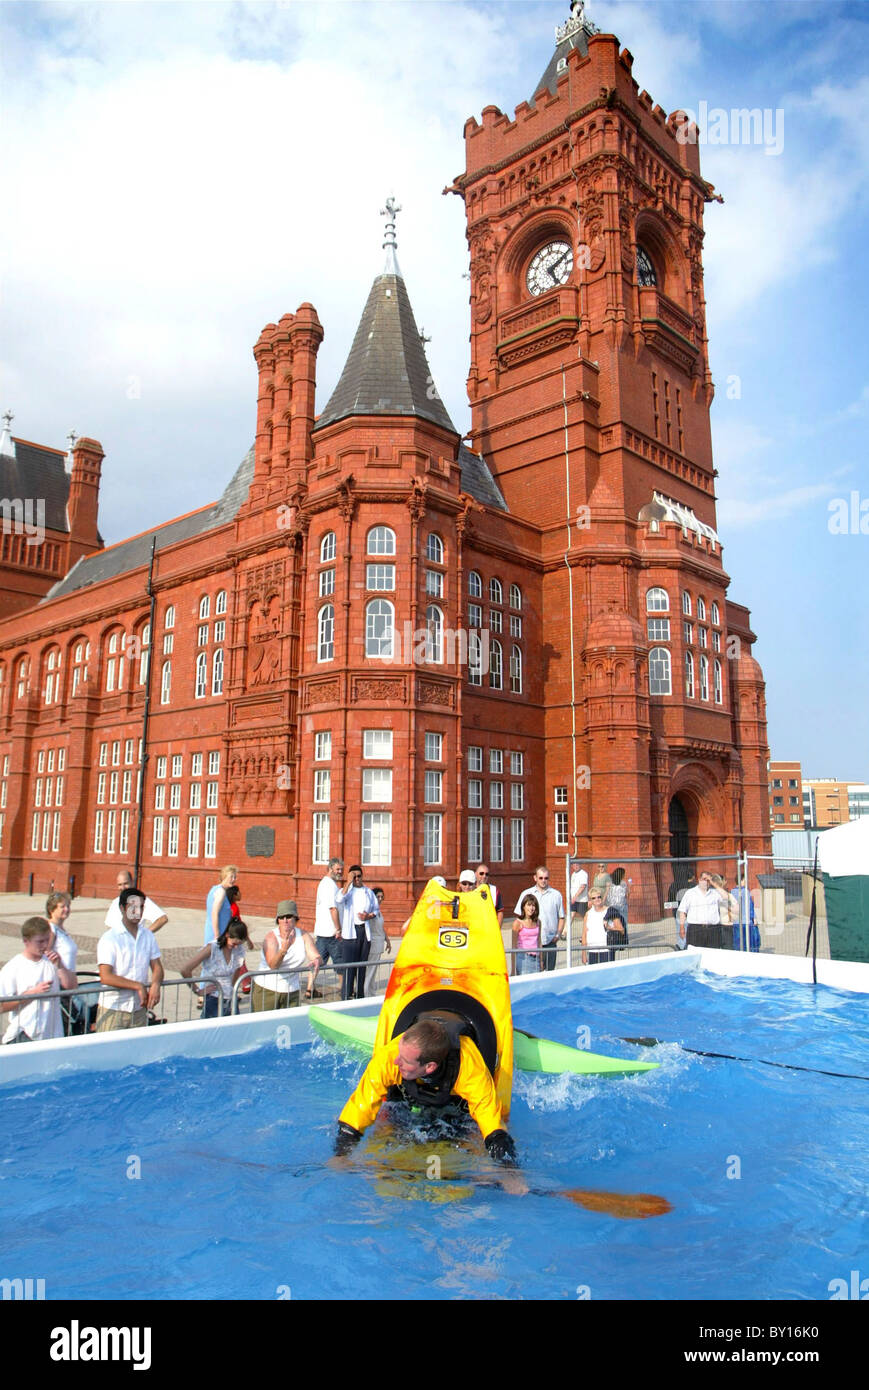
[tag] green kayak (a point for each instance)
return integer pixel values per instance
(529, 1053)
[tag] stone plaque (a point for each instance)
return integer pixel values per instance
(259, 842)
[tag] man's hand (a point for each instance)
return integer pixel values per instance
(142, 992)
(42, 988)
(153, 996)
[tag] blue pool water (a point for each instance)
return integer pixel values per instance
(235, 1198)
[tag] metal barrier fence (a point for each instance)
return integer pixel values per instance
(769, 908)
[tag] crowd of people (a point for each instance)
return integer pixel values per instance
(347, 932)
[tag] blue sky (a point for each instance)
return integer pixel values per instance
(168, 192)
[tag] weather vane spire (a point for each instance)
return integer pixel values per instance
(390, 244)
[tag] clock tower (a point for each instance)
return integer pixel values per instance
(590, 391)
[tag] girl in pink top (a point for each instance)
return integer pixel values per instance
(526, 936)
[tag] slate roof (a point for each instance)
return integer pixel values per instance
(36, 473)
(135, 552)
(478, 482)
(386, 372)
(579, 41)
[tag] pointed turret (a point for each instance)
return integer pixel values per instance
(574, 33)
(387, 372)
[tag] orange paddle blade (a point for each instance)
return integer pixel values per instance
(627, 1206)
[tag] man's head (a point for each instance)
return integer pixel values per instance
(132, 905)
(356, 873)
(704, 879)
(287, 915)
(541, 876)
(482, 873)
(422, 1049)
(124, 880)
(35, 934)
(467, 880)
(336, 867)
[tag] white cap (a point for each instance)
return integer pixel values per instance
(442, 881)
(467, 876)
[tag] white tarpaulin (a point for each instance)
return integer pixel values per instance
(845, 849)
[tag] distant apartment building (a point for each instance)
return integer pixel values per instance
(786, 796)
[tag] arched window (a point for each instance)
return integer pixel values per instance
(516, 671)
(496, 670)
(201, 676)
(379, 623)
(689, 675)
(381, 541)
(169, 620)
(434, 634)
(144, 653)
(660, 679)
(515, 596)
(646, 274)
(204, 607)
(686, 604)
(496, 593)
(701, 609)
(217, 672)
(166, 683)
(717, 687)
(52, 677)
(657, 601)
(716, 615)
(220, 603)
(475, 585)
(704, 678)
(326, 633)
(434, 550)
(80, 658)
(115, 661)
(22, 684)
(327, 548)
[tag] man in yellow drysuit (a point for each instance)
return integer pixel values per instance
(428, 1066)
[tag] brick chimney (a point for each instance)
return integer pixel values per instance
(84, 493)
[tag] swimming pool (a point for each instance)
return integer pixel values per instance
(766, 1168)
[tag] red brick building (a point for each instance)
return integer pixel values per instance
(381, 643)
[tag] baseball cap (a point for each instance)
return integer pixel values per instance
(287, 908)
(439, 879)
(468, 876)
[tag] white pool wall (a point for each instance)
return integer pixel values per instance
(228, 1037)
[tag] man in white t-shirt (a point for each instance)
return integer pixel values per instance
(126, 956)
(578, 892)
(551, 906)
(152, 916)
(327, 920)
(38, 972)
(357, 910)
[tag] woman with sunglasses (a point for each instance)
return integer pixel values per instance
(598, 921)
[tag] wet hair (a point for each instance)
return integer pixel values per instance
(129, 893)
(34, 926)
(54, 900)
(236, 930)
(431, 1039)
(535, 915)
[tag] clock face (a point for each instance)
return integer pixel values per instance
(550, 267)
